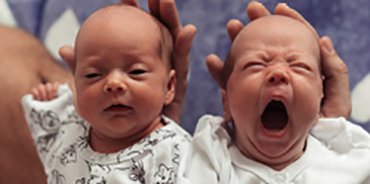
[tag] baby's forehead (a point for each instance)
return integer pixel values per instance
(118, 22)
(129, 25)
(123, 17)
(276, 30)
(273, 25)
(123, 11)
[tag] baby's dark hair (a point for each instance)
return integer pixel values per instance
(227, 70)
(166, 41)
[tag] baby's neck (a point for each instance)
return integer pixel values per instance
(277, 164)
(283, 165)
(104, 144)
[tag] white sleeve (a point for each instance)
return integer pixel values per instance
(44, 118)
(208, 153)
(340, 135)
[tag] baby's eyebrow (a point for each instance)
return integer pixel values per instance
(291, 56)
(267, 56)
(263, 55)
(287, 55)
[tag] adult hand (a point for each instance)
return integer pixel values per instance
(166, 12)
(337, 101)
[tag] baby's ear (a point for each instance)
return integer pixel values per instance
(227, 114)
(170, 88)
(68, 55)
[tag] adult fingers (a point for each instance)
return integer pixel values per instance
(256, 10)
(131, 2)
(215, 67)
(154, 7)
(285, 10)
(170, 16)
(183, 44)
(337, 101)
(332, 63)
(67, 53)
(233, 27)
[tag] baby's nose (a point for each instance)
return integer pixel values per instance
(115, 84)
(113, 87)
(278, 76)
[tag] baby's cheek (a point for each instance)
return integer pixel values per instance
(84, 107)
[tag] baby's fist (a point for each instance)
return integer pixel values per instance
(45, 92)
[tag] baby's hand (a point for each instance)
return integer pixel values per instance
(45, 92)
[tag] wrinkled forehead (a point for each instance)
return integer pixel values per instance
(276, 30)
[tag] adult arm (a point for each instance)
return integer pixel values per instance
(24, 63)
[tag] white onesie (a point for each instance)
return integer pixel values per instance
(337, 151)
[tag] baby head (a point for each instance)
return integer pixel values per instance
(122, 71)
(273, 89)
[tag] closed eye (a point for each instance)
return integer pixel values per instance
(92, 75)
(254, 64)
(301, 66)
(137, 72)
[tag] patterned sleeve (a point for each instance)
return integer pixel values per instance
(44, 118)
(340, 135)
(179, 154)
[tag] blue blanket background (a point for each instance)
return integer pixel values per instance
(345, 21)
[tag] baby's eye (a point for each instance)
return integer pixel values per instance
(92, 75)
(137, 72)
(254, 64)
(301, 66)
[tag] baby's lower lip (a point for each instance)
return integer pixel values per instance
(274, 134)
(117, 110)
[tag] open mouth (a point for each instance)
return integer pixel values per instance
(275, 116)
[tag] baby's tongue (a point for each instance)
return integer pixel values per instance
(275, 116)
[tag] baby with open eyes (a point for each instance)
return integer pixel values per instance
(123, 78)
(272, 92)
